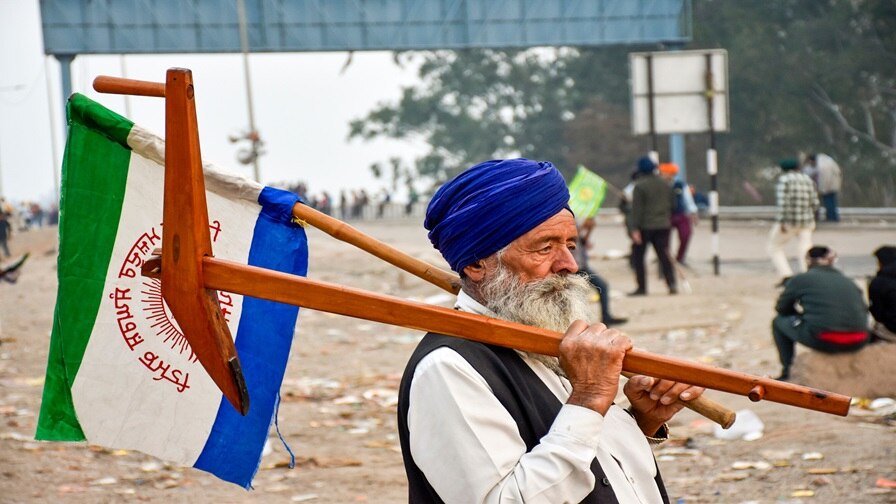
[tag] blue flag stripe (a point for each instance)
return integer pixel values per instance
(264, 337)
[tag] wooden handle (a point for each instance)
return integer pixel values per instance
(276, 286)
(187, 240)
(344, 232)
(117, 85)
(706, 407)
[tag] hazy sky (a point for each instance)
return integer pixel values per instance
(302, 102)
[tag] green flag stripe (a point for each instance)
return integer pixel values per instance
(94, 173)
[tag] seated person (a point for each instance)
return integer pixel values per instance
(821, 308)
(882, 294)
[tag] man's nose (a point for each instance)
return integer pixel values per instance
(565, 262)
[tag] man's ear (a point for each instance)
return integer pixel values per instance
(475, 271)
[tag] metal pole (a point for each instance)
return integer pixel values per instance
(244, 47)
(677, 154)
(53, 147)
(127, 98)
(65, 71)
(712, 166)
(654, 150)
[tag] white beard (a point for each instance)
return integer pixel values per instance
(551, 303)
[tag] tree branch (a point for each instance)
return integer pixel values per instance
(825, 101)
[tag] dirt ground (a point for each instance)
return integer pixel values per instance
(339, 394)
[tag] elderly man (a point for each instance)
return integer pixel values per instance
(480, 423)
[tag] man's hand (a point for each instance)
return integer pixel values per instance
(592, 358)
(655, 401)
(636, 237)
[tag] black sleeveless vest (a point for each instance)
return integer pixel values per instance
(528, 400)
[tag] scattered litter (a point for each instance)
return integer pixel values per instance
(108, 480)
(885, 483)
(326, 462)
(882, 402)
(879, 407)
(678, 452)
(742, 465)
(675, 335)
(15, 436)
(747, 426)
(349, 399)
(67, 489)
(738, 476)
(280, 464)
(303, 497)
(812, 456)
(777, 454)
(823, 470)
(151, 467)
(386, 398)
(803, 493)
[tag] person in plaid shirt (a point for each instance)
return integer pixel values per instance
(797, 201)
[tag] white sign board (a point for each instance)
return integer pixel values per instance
(678, 88)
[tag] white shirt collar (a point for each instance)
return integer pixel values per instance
(465, 302)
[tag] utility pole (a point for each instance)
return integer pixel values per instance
(252, 135)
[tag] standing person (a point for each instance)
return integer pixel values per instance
(597, 281)
(5, 232)
(882, 293)
(485, 424)
(343, 205)
(828, 177)
(795, 217)
(832, 316)
(413, 197)
(684, 211)
(652, 201)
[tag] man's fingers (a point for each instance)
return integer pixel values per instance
(691, 393)
(641, 382)
(577, 327)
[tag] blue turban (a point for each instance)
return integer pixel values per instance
(486, 207)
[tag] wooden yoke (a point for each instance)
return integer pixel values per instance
(189, 272)
(185, 234)
(186, 242)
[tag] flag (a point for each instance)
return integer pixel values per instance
(120, 374)
(586, 193)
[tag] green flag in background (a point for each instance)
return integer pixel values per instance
(586, 193)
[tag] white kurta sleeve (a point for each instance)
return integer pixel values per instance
(469, 447)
